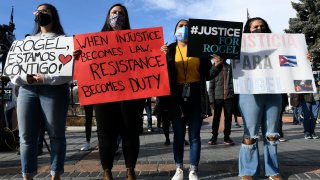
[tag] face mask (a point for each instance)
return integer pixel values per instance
(117, 21)
(182, 34)
(43, 19)
(262, 30)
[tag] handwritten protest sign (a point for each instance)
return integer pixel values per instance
(40, 55)
(121, 65)
(208, 37)
(273, 63)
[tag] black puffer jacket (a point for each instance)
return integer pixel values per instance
(221, 86)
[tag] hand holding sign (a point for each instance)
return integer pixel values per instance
(164, 48)
(76, 54)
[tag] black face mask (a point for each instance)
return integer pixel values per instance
(43, 19)
(262, 30)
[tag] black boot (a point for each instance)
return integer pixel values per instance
(107, 174)
(131, 175)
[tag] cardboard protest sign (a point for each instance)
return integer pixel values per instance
(208, 37)
(273, 63)
(40, 55)
(7, 95)
(121, 65)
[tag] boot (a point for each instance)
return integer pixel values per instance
(131, 175)
(107, 174)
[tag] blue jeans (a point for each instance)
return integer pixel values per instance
(191, 110)
(259, 110)
(52, 102)
(310, 113)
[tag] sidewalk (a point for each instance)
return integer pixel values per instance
(299, 158)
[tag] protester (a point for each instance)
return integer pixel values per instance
(163, 117)
(236, 111)
(187, 76)
(121, 117)
(148, 108)
(284, 104)
(9, 104)
(221, 94)
(47, 94)
(310, 103)
(259, 110)
(297, 108)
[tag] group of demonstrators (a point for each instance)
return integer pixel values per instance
(49, 95)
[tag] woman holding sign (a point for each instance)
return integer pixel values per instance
(259, 110)
(121, 117)
(43, 93)
(188, 77)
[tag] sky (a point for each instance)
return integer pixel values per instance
(83, 16)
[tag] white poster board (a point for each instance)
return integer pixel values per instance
(273, 63)
(40, 55)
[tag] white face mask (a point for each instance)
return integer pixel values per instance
(182, 34)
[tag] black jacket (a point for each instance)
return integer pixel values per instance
(221, 86)
(171, 103)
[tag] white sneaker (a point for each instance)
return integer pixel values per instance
(282, 139)
(85, 147)
(178, 175)
(193, 175)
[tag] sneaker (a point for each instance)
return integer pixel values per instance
(314, 136)
(85, 147)
(213, 140)
(276, 177)
(282, 139)
(228, 141)
(150, 130)
(307, 137)
(193, 175)
(178, 175)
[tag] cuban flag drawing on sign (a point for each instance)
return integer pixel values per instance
(288, 61)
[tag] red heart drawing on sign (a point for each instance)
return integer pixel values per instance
(64, 59)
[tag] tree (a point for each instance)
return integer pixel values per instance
(308, 23)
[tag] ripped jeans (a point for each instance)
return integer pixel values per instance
(259, 110)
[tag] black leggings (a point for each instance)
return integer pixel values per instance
(119, 118)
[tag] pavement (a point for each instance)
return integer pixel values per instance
(299, 158)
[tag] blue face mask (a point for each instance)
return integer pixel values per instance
(182, 34)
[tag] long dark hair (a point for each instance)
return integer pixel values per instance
(175, 28)
(107, 27)
(56, 24)
(246, 28)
